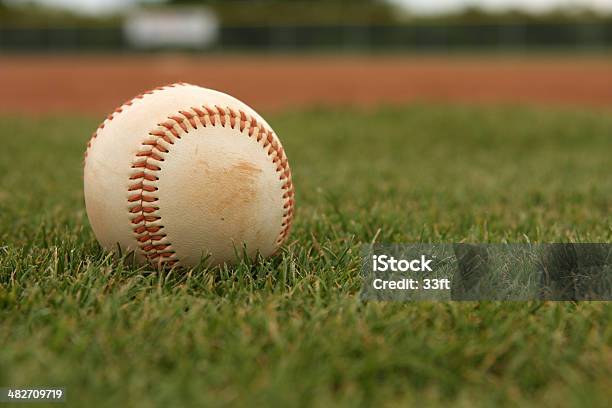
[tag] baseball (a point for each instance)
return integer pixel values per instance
(181, 172)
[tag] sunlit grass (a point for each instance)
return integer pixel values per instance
(291, 330)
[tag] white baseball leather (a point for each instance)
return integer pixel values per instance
(183, 172)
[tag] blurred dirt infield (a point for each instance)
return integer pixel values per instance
(97, 84)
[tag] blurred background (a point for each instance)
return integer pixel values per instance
(89, 55)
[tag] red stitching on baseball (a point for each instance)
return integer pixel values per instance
(151, 239)
(121, 108)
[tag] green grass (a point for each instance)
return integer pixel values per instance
(292, 331)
